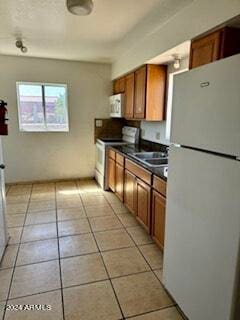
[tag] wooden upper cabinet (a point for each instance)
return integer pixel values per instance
(156, 92)
(140, 93)
(129, 96)
(217, 45)
(119, 85)
(122, 85)
(205, 50)
(149, 93)
(144, 93)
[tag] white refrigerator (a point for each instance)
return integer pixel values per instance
(3, 225)
(202, 245)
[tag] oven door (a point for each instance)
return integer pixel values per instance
(100, 158)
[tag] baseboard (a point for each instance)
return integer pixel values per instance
(48, 181)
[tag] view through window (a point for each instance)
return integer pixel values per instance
(42, 107)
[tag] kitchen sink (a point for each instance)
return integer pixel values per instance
(152, 159)
(157, 162)
(149, 155)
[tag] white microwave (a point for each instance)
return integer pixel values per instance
(117, 106)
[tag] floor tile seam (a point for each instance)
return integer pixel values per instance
(33, 294)
(149, 312)
(151, 270)
(15, 262)
(129, 234)
(35, 263)
(59, 256)
(137, 246)
(106, 270)
(37, 224)
(16, 213)
(32, 241)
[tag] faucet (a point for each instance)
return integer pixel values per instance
(167, 151)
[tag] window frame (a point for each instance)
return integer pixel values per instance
(42, 84)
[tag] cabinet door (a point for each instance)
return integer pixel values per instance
(155, 93)
(143, 203)
(122, 85)
(129, 190)
(158, 218)
(111, 174)
(129, 96)
(115, 86)
(206, 49)
(140, 93)
(119, 181)
(119, 85)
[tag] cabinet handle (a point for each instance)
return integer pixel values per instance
(2, 166)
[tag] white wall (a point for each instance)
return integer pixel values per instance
(193, 20)
(38, 156)
(150, 129)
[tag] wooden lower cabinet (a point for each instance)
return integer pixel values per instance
(143, 196)
(129, 190)
(143, 203)
(111, 174)
(119, 181)
(158, 218)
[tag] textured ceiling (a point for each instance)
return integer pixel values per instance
(49, 30)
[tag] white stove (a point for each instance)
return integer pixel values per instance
(130, 135)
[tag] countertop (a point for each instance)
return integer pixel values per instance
(128, 150)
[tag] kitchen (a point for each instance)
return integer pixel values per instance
(153, 234)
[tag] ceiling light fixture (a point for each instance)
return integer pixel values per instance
(177, 62)
(19, 45)
(80, 7)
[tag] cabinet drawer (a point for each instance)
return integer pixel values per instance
(160, 185)
(138, 171)
(111, 154)
(119, 159)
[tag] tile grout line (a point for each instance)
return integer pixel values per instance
(70, 235)
(15, 262)
(120, 308)
(124, 227)
(59, 257)
(149, 312)
(137, 247)
(77, 285)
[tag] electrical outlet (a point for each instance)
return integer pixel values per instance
(99, 123)
(143, 132)
(158, 135)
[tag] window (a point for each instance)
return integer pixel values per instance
(170, 100)
(42, 107)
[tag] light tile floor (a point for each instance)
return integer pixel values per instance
(78, 249)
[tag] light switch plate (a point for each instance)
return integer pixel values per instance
(158, 135)
(99, 123)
